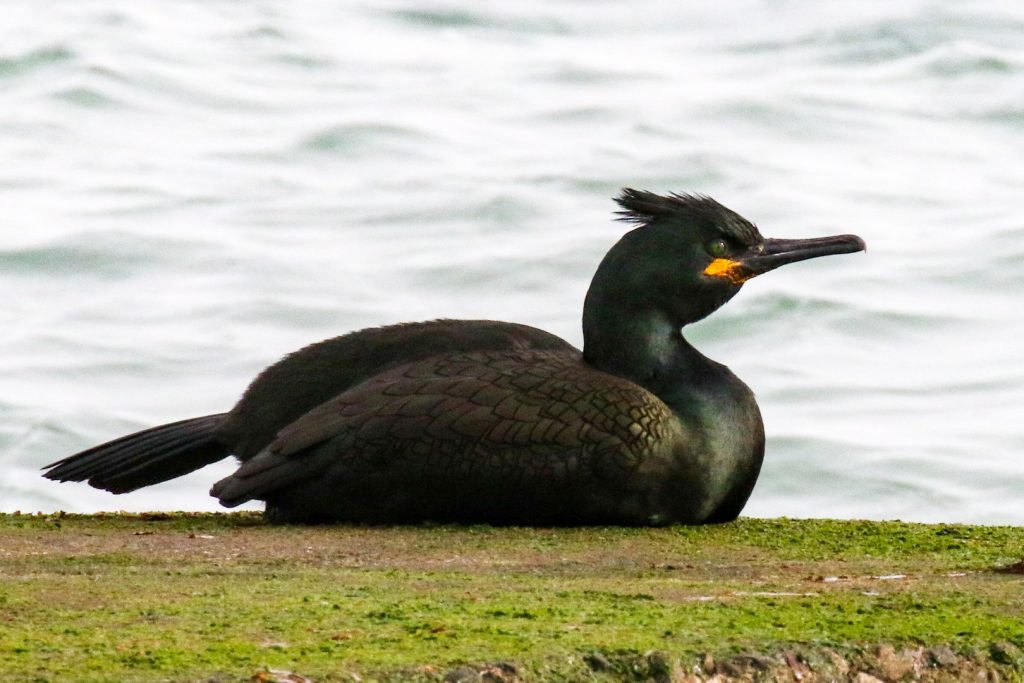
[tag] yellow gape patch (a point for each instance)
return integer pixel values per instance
(734, 270)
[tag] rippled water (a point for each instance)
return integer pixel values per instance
(192, 189)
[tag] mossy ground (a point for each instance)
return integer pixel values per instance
(195, 596)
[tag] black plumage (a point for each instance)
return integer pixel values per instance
(455, 420)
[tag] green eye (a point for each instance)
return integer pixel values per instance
(718, 247)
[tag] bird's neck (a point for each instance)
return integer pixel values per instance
(644, 346)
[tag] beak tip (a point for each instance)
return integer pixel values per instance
(850, 243)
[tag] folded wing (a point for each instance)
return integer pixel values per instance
(541, 419)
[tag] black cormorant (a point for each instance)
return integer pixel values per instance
(484, 421)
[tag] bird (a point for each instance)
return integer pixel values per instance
(481, 421)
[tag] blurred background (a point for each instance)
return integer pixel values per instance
(190, 190)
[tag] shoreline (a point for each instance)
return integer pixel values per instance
(225, 596)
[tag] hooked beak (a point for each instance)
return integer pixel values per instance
(778, 252)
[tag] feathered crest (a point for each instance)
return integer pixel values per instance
(643, 207)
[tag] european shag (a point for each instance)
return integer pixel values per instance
(484, 421)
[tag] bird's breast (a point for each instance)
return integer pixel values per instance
(725, 443)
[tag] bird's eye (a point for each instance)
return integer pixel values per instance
(718, 247)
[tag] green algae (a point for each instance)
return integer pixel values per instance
(195, 596)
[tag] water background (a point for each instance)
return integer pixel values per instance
(191, 189)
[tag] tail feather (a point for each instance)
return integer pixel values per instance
(121, 453)
(144, 458)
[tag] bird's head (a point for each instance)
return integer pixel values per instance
(690, 254)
